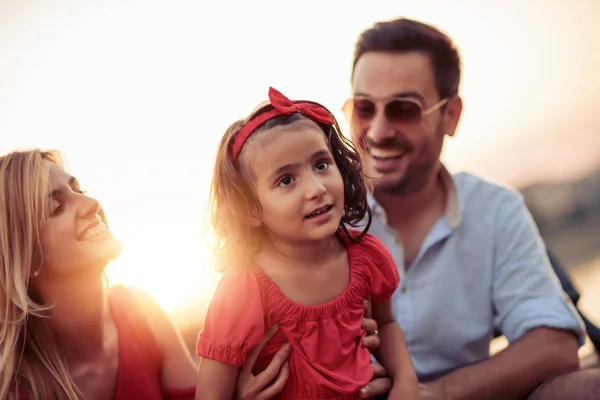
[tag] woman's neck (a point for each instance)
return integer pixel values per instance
(78, 315)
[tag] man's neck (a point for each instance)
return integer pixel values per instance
(413, 217)
(411, 207)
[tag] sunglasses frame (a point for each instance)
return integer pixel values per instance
(348, 106)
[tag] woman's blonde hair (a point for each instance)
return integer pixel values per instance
(30, 363)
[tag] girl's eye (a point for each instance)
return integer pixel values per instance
(322, 165)
(285, 181)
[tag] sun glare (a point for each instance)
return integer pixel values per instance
(171, 264)
(138, 93)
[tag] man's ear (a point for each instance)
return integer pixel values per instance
(453, 113)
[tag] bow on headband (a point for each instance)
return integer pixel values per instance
(281, 106)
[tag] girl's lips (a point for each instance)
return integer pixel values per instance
(319, 211)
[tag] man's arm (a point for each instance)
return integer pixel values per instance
(531, 310)
(515, 372)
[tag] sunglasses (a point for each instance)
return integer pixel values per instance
(398, 110)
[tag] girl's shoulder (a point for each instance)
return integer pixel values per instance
(239, 278)
(379, 265)
(235, 285)
(367, 243)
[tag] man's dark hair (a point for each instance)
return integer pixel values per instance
(404, 35)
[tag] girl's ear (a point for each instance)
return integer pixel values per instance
(254, 219)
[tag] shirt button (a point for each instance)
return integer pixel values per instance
(403, 289)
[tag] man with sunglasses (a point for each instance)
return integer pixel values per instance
(469, 255)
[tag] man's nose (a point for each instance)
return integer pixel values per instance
(380, 129)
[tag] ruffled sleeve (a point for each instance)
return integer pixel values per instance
(234, 322)
(384, 272)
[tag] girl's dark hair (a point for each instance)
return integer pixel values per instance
(233, 199)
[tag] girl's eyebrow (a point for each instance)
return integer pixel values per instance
(287, 167)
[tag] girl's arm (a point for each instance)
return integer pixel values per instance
(216, 380)
(233, 325)
(393, 354)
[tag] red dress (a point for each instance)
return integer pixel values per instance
(327, 359)
(140, 358)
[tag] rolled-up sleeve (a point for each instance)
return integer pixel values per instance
(526, 292)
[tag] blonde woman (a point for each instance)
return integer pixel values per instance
(63, 334)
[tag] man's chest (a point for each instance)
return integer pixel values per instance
(412, 235)
(446, 298)
(448, 284)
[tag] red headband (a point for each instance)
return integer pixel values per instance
(281, 106)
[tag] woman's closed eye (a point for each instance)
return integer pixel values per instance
(56, 210)
(58, 207)
(77, 188)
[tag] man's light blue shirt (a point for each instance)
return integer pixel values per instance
(483, 265)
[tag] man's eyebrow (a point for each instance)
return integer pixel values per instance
(410, 93)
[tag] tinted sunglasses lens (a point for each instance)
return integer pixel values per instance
(403, 111)
(364, 109)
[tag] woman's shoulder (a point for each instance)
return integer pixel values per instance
(149, 323)
(141, 307)
(135, 297)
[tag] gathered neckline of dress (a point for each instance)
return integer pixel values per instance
(288, 309)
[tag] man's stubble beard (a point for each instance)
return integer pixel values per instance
(416, 177)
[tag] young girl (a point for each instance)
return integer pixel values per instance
(286, 185)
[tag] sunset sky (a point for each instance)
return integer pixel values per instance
(137, 94)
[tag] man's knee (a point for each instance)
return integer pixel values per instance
(578, 385)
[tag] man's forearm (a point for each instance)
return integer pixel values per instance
(518, 370)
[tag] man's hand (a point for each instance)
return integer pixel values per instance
(250, 387)
(431, 391)
(381, 384)
(371, 341)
